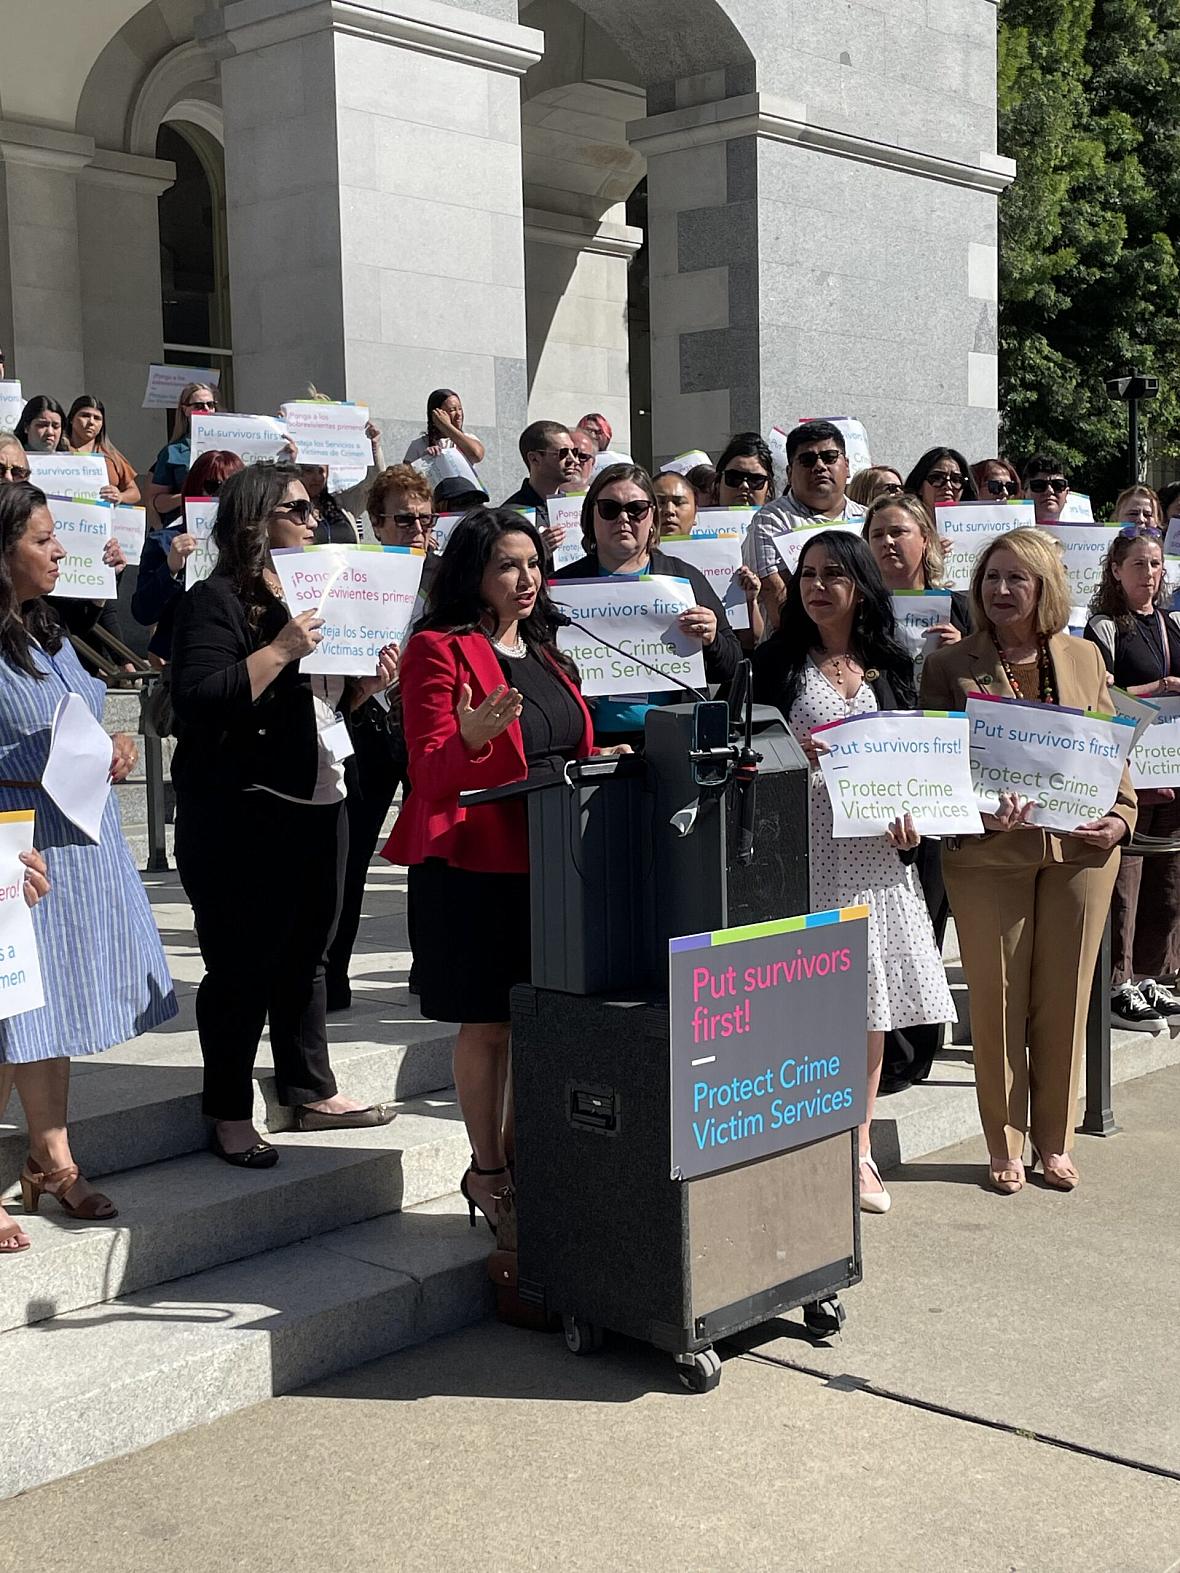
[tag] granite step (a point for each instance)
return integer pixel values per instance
(101, 1382)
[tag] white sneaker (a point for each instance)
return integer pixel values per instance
(1162, 999)
(1131, 1011)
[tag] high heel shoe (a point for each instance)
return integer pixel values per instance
(497, 1196)
(1056, 1178)
(13, 1231)
(1005, 1175)
(58, 1183)
(874, 1201)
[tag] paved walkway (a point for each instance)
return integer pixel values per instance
(1004, 1398)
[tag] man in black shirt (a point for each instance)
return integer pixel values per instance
(552, 461)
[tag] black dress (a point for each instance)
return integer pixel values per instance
(471, 930)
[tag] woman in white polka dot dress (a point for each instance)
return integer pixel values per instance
(834, 656)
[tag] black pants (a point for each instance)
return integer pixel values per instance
(910, 1051)
(263, 877)
(373, 775)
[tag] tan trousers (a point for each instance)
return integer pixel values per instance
(1030, 908)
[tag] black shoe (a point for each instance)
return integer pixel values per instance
(261, 1156)
(892, 1084)
(1130, 1010)
(339, 995)
(412, 982)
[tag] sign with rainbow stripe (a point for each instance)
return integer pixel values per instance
(886, 764)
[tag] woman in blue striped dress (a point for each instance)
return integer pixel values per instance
(102, 964)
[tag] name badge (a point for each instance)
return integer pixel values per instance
(337, 742)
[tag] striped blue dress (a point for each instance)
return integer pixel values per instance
(102, 963)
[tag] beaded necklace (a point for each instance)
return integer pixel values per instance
(1047, 693)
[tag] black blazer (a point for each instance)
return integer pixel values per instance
(724, 655)
(225, 739)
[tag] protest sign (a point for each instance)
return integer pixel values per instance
(1155, 759)
(77, 773)
(447, 464)
(1142, 712)
(916, 612)
(776, 441)
(639, 615)
(894, 762)
(69, 474)
(332, 434)
(365, 594)
(20, 967)
(970, 526)
(1076, 510)
(604, 460)
(83, 528)
(129, 526)
(723, 521)
(565, 513)
(1083, 550)
(12, 403)
(718, 556)
(766, 1037)
(199, 516)
(856, 439)
(251, 437)
(791, 546)
(166, 383)
(683, 462)
(1172, 540)
(1069, 762)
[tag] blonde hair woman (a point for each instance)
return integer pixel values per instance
(910, 555)
(172, 461)
(877, 480)
(1139, 505)
(1030, 905)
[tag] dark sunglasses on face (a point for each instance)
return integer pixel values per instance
(1002, 488)
(609, 508)
(816, 456)
(300, 509)
(735, 479)
(561, 454)
(201, 404)
(13, 472)
(412, 521)
(1042, 483)
(890, 489)
(950, 478)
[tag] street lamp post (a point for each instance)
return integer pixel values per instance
(1131, 388)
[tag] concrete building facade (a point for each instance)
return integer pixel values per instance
(694, 215)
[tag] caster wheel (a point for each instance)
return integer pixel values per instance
(700, 1373)
(824, 1318)
(581, 1338)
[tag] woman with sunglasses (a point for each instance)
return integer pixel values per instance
(878, 480)
(172, 462)
(1046, 486)
(941, 475)
(1140, 642)
(14, 462)
(620, 534)
(995, 480)
(86, 432)
(745, 472)
(259, 780)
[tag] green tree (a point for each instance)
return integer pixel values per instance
(1089, 103)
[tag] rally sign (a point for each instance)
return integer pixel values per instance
(1142, 712)
(565, 514)
(129, 526)
(200, 514)
(12, 404)
(722, 521)
(856, 439)
(1077, 509)
(165, 384)
(1083, 550)
(69, 474)
(83, 528)
(251, 437)
(889, 763)
(20, 968)
(718, 556)
(915, 613)
(791, 546)
(1155, 759)
(970, 526)
(638, 614)
(1069, 762)
(332, 434)
(683, 462)
(365, 594)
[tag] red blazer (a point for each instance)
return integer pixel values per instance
(489, 838)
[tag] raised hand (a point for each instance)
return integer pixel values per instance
(495, 715)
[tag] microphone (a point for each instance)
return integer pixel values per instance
(561, 619)
(746, 773)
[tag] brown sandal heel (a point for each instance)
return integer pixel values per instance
(58, 1183)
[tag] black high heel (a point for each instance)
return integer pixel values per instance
(474, 1168)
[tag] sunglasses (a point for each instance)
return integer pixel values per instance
(738, 478)
(816, 456)
(560, 454)
(14, 472)
(609, 508)
(1043, 483)
(950, 478)
(890, 489)
(412, 521)
(300, 509)
(1002, 488)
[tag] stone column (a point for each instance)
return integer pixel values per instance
(40, 280)
(375, 216)
(122, 320)
(798, 270)
(577, 318)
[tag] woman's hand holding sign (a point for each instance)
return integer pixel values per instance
(1012, 813)
(384, 677)
(479, 726)
(699, 623)
(1102, 833)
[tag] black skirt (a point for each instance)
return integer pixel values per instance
(470, 938)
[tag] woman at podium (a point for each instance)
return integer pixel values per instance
(488, 700)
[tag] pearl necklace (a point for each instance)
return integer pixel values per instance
(514, 652)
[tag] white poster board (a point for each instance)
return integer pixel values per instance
(791, 545)
(446, 465)
(604, 460)
(1077, 509)
(332, 434)
(77, 774)
(1155, 759)
(970, 526)
(129, 528)
(723, 521)
(565, 514)
(365, 594)
(894, 762)
(83, 528)
(1083, 551)
(718, 556)
(12, 403)
(21, 988)
(915, 613)
(856, 439)
(683, 462)
(251, 437)
(199, 516)
(639, 616)
(166, 383)
(69, 474)
(1069, 762)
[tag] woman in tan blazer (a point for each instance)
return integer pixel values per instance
(1030, 905)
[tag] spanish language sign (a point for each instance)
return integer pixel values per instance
(251, 437)
(894, 762)
(1083, 550)
(1155, 759)
(637, 614)
(83, 528)
(718, 556)
(199, 516)
(767, 1038)
(1069, 762)
(791, 546)
(565, 514)
(166, 383)
(969, 526)
(365, 594)
(329, 434)
(20, 967)
(69, 474)
(916, 612)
